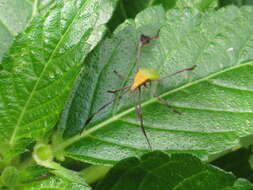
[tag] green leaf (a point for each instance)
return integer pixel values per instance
(54, 183)
(241, 184)
(236, 162)
(31, 173)
(70, 175)
(215, 99)
(10, 176)
(41, 66)
(157, 170)
(14, 15)
(37, 173)
(130, 8)
(200, 4)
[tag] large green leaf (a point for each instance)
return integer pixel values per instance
(215, 99)
(158, 171)
(14, 15)
(54, 183)
(41, 65)
(31, 173)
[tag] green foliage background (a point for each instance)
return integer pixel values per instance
(57, 62)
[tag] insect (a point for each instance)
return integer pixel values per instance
(142, 77)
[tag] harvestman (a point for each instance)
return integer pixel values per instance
(141, 78)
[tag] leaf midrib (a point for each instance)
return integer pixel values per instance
(152, 100)
(151, 172)
(19, 120)
(148, 172)
(190, 177)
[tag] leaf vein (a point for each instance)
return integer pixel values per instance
(188, 178)
(211, 109)
(216, 83)
(176, 130)
(114, 143)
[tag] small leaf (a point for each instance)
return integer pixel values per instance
(157, 170)
(241, 184)
(32, 173)
(41, 66)
(70, 175)
(55, 183)
(58, 170)
(10, 176)
(215, 99)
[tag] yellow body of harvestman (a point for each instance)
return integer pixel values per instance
(143, 76)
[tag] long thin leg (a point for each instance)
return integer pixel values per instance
(139, 114)
(138, 56)
(143, 41)
(163, 101)
(118, 89)
(180, 71)
(104, 106)
(168, 105)
(121, 75)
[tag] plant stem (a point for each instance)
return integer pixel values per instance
(35, 8)
(94, 173)
(151, 2)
